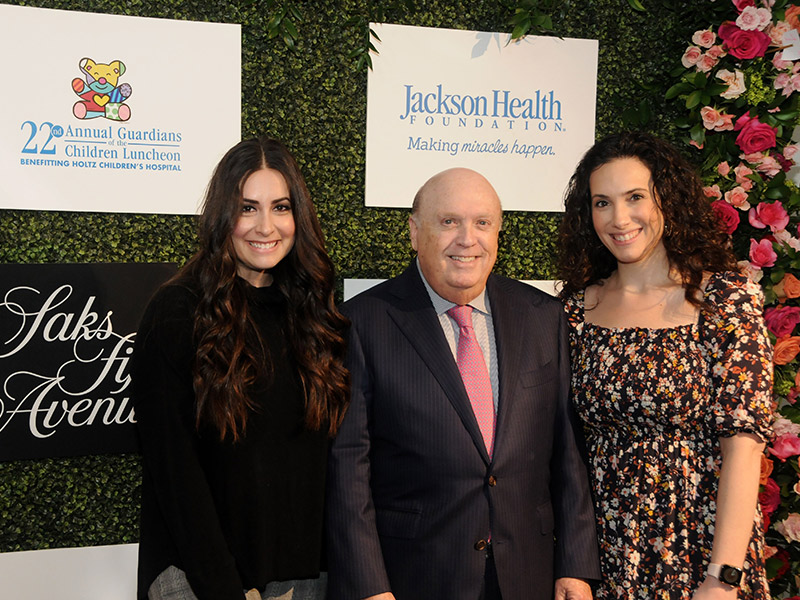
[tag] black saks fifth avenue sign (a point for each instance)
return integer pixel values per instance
(66, 339)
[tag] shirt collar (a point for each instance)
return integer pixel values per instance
(441, 306)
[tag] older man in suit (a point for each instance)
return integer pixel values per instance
(458, 472)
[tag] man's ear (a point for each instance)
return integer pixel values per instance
(412, 229)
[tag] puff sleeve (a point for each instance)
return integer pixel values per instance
(739, 354)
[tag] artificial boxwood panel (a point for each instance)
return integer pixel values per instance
(313, 98)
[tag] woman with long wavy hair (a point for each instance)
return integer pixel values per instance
(671, 374)
(239, 383)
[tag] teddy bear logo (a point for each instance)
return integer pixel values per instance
(101, 94)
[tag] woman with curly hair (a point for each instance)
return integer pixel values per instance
(239, 383)
(672, 376)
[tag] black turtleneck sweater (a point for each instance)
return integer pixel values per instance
(233, 516)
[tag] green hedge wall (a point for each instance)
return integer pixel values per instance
(313, 98)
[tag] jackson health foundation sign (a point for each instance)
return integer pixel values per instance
(521, 113)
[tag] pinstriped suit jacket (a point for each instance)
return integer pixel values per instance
(411, 489)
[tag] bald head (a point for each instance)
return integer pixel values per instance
(453, 178)
(454, 224)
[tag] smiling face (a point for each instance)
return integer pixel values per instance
(264, 233)
(454, 231)
(625, 214)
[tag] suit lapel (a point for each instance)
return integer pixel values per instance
(508, 320)
(416, 318)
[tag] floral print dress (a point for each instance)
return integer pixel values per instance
(654, 403)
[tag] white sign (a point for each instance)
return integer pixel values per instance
(93, 573)
(521, 113)
(114, 114)
(353, 287)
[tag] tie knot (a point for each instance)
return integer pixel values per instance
(462, 315)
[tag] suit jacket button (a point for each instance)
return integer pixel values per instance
(480, 545)
(492, 481)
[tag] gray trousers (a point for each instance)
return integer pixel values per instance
(171, 584)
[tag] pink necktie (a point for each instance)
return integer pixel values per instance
(474, 374)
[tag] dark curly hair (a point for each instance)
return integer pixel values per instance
(225, 363)
(693, 238)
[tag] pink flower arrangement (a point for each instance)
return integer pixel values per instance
(741, 91)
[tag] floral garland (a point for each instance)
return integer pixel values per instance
(740, 82)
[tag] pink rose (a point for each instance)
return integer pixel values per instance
(779, 63)
(784, 446)
(752, 18)
(790, 150)
(742, 171)
(769, 166)
(771, 215)
(776, 33)
(761, 254)
(737, 197)
(704, 38)
(742, 4)
(783, 426)
(754, 136)
(723, 168)
(711, 117)
(789, 527)
(716, 51)
(743, 44)
(786, 238)
(735, 81)
(791, 397)
(770, 497)
(781, 321)
(706, 63)
(782, 161)
(691, 56)
(712, 191)
(727, 216)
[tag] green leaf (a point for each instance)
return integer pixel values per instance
(693, 100)
(637, 5)
(520, 30)
(677, 89)
(786, 116)
(776, 193)
(715, 89)
(698, 134)
(699, 80)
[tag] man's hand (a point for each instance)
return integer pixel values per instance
(383, 596)
(570, 588)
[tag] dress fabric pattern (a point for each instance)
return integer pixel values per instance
(654, 403)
